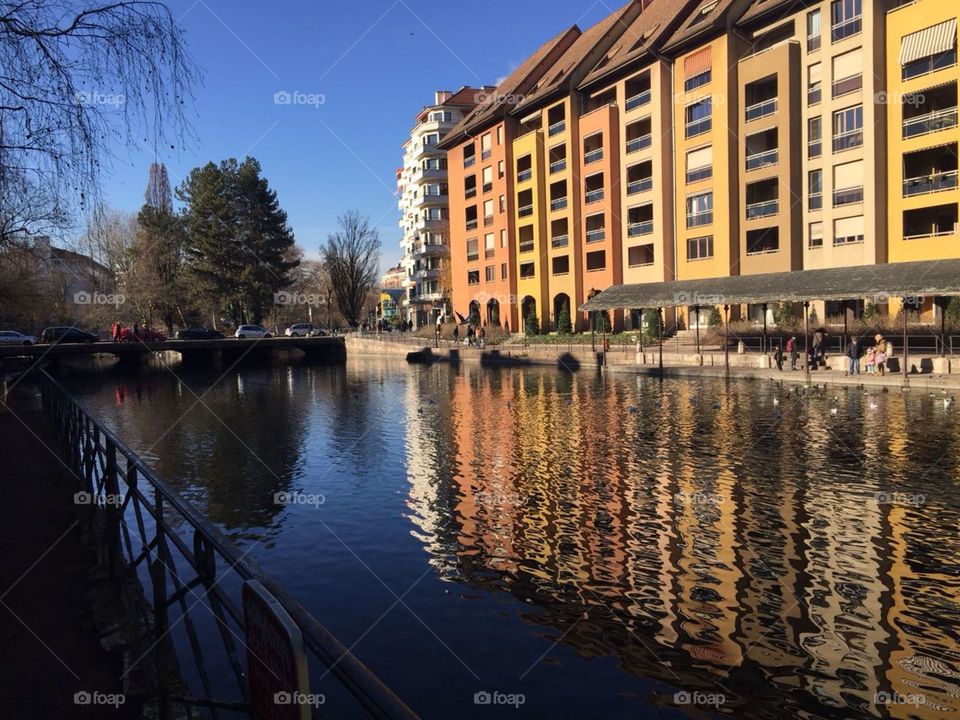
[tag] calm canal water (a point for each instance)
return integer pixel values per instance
(596, 544)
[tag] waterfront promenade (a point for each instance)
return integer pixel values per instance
(45, 577)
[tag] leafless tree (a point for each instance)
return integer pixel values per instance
(76, 79)
(352, 260)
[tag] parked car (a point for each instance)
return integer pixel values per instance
(252, 331)
(199, 333)
(12, 337)
(304, 330)
(142, 335)
(67, 334)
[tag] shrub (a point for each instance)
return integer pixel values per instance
(652, 321)
(532, 324)
(715, 319)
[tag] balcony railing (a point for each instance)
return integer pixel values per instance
(471, 224)
(935, 233)
(559, 241)
(487, 220)
(645, 227)
(639, 186)
(593, 156)
(639, 143)
(813, 43)
(596, 235)
(761, 209)
(526, 247)
(699, 219)
(846, 85)
(557, 128)
(699, 127)
(815, 201)
(470, 192)
(845, 29)
(814, 148)
(487, 187)
(470, 161)
(525, 210)
(637, 100)
(814, 95)
(558, 204)
(935, 182)
(848, 140)
(762, 159)
(593, 196)
(847, 196)
(524, 175)
(930, 122)
(761, 109)
(486, 154)
(700, 173)
(929, 64)
(558, 166)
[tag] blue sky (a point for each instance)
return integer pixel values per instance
(374, 62)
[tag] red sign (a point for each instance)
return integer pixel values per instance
(276, 663)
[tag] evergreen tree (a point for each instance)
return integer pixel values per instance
(715, 319)
(239, 247)
(564, 327)
(601, 321)
(532, 323)
(652, 321)
(814, 318)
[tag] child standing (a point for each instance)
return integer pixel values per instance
(881, 360)
(871, 361)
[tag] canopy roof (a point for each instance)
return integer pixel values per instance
(927, 277)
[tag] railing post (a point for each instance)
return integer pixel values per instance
(112, 511)
(806, 338)
(726, 340)
(158, 581)
(906, 378)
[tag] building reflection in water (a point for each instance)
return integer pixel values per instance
(715, 541)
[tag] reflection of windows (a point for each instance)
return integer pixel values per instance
(700, 248)
(845, 19)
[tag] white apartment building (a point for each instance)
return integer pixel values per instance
(422, 191)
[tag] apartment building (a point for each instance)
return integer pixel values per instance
(482, 195)
(923, 138)
(706, 159)
(422, 186)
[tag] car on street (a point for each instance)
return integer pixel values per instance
(304, 330)
(141, 335)
(199, 333)
(251, 331)
(67, 334)
(12, 337)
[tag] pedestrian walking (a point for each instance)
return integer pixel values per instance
(778, 357)
(793, 351)
(853, 356)
(482, 337)
(116, 331)
(817, 347)
(456, 334)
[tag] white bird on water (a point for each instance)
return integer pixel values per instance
(833, 411)
(776, 401)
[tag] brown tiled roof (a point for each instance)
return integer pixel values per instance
(648, 31)
(517, 83)
(708, 15)
(573, 63)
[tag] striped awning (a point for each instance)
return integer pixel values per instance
(697, 63)
(929, 41)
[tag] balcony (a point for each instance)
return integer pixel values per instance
(929, 122)
(639, 186)
(763, 158)
(593, 156)
(814, 148)
(699, 219)
(847, 28)
(848, 140)
(557, 128)
(558, 203)
(814, 94)
(813, 43)
(930, 183)
(487, 220)
(486, 154)
(593, 196)
(764, 241)
(930, 222)
(765, 208)
(637, 229)
(526, 247)
(469, 161)
(558, 166)
(524, 175)
(698, 127)
(525, 210)
(638, 100)
(597, 235)
(524, 169)
(639, 143)
(847, 85)
(929, 64)
(559, 241)
(815, 201)
(847, 196)
(930, 171)
(761, 109)
(699, 174)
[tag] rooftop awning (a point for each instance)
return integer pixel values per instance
(929, 41)
(927, 278)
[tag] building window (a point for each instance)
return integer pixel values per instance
(503, 238)
(815, 235)
(503, 203)
(596, 260)
(700, 248)
(848, 231)
(700, 164)
(813, 31)
(700, 209)
(814, 87)
(469, 155)
(503, 271)
(697, 81)
(473, 277)
(815, 189)
(489, 245)
(763, 241)
(485, 147)
(490, 273)
(487, 179)
(848, 183)
(845, 19)
(698, 119)
(499, 134)
(847, 73)
(473, 250)
(815, 137)
(527, 271)
(928, 50)
(561, 265)
(500, 172)
(640, 255)
(596, 228)
(848, 128)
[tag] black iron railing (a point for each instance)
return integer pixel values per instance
(192, 576)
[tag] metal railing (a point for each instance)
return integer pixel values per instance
(847, 28)
(763, 159)
(644, 227)
(592, 156)
(153, 534)
(846, 85)
(592, 196)
(847, 196)
(929, 122)
(557, 128)
(524, 175)
(558, 165)
(639, 143)
(558, 204)
(761, 109)
(848, 140)
(559, 241)
(641, 98)
(641, 185)
(935, 182)
(700, 173)
(763, 208)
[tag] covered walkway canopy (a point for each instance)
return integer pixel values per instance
(927, 278)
